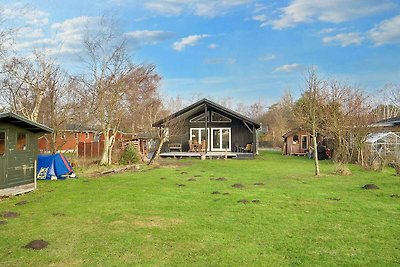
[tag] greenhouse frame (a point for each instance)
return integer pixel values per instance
(384, 146)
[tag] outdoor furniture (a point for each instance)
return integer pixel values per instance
(203, 145)
(175, 146)
(247, 149)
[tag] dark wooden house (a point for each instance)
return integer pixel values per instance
(387, 125)
(18, 153)
(206, 126)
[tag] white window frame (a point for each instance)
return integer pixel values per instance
(301, 141)
(212, 138)
(213, 112)
(195, 119)
(199, 134)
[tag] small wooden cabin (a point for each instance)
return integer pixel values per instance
(387, 125)
(296, 142)
(18, 153)
(209, 127)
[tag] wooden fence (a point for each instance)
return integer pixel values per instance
(90, 149)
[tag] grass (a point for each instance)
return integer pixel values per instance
(140, 219)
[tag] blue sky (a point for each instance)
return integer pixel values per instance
(244, 49)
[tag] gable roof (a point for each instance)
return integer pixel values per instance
(20, 121)
(206, 102)
(387, 122)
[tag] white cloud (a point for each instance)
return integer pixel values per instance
(203, 8)
(327, 30)
(146, 37)
(307, 11)
(288, 67)
(386, 32)
(212, 46)
(212, 61)
(344, 39)
(27, 14)
(190, 40)
(267, 58)
(261, 18)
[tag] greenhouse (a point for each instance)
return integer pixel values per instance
(384, 146)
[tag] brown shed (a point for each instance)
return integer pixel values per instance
(296, 142)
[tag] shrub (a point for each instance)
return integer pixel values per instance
(397, 168)
(130, 155)
(342, 169)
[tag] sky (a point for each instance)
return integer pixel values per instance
(246, 50)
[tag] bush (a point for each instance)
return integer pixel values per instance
(397, 168)
(130, 155)
(342, 169)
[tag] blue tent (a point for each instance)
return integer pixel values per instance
(53, 167)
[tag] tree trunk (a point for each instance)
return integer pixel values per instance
(314, 137)
(158, 151)
(104, 156)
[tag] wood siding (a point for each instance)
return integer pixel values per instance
(240, 134)
(17, 166)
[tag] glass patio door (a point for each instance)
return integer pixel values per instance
(221, 139)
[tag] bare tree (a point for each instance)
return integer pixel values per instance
(26, 81)
(310, 110)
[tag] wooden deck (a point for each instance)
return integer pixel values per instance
(17, 190)
(207, 155)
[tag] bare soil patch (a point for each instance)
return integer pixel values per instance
(23, 202)
(215, 193)
(197, 175)
(3, 222)
(238, 186)
(259, 183)
(334, 198)
(192, 180)
(37, 244)
(163, 178)
(256, 201)
(184, 173)
(244, 201)
(226, 193)
(10, 214)
(58, 214)
(181, 185)
(370, 187)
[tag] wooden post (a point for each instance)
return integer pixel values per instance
(206, 128)
(35, 173)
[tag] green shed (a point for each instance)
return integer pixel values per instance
(18, 153)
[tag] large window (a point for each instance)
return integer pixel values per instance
(197, 135)
(216, 117)
(221, 139)
(2, 143)
(21, 141)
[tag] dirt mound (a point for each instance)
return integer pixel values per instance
(23, 202)
(192, 180)
(3, 222)
(184, 173)
(216, 193)
(37, 244)
(255, 201)
(220, 179)
(163, 178)
(180, 185)
(244, 201)
(334, 198)
(58, 214)
(10, 214)
(226, 193)
(197, 175)
(238, 186)
(217, 199)
(370, 186)
(259, 183)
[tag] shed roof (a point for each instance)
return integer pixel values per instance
(202, 103)
(387, 122)
(22, 122)
(372, 138)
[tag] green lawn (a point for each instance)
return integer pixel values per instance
(141, 219)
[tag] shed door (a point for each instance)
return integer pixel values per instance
(3, 158)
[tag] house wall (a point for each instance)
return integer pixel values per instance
(240, 134)
(66, 141)
(17, 166)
